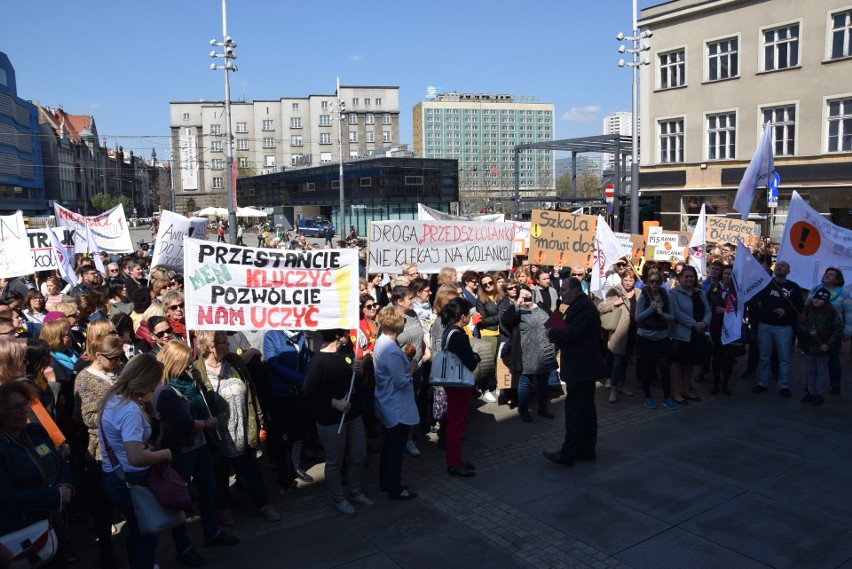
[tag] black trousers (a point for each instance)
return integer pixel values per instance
(581, 420)
(390, 463)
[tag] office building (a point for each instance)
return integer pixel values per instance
(621, 123)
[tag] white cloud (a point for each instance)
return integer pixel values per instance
(587, 113)
(356, 57)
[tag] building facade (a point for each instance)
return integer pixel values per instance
(21, 166)
(719, 71)
(271, 135)
(621, 123)
(480, 131)
(375, 189)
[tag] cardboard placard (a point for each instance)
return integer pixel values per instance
(729, 230)
(562, 238)
(504, 376)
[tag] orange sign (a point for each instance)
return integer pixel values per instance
(562, 238)
(805, 238)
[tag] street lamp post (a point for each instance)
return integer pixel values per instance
(227, 44)
(341, 109)
(635, 62)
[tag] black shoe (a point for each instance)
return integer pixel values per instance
(469, 465)
(558, 458)
(525, 416)
(303, 476)
(835, 390)
(807, 398)
(191, 558)
(221, 540)
(545, 413)
(758, 389)
(785, 393)
(818, 400)
(460, 471)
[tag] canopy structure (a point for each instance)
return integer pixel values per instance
(250, 212)
(211, 211)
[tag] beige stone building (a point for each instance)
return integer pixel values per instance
(271, 134)
(719, 70)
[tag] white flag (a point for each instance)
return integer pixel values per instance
(749, 279)
(64, 258)
(759, 170)
(607, 252)
(94, 250)
(698, 244)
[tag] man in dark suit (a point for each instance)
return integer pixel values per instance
(580, 366)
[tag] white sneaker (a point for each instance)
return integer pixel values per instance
(411, 449)
(488, 396)
(362, 500)
(345, 508)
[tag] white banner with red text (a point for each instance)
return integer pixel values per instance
(228, 287)
(109, 229)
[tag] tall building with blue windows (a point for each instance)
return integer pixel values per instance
(21, 168)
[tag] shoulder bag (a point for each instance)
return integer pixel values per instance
(610, 320)
(449, 371)
(30, 547)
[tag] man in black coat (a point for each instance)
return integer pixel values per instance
(580, 366)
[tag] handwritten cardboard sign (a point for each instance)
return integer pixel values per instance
(562, 238)
(15, 256)
(728, 230)
(168, 249)
(433, 245)
(228, 287)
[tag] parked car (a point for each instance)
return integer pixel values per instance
(314, 226)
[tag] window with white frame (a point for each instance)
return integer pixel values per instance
(325, 120)
(386, 118)
(840, 125)
(672, 69)
(269, 143)
(296, 140)
(781, 47)
(296, 159)
(186, 116)
(217, 164)
(783, 128)
(370, 118)
(269, 161)
(353, 154)
(378, 101)
(671, 140)
(242, 162)
(323, 104)
(371, 136)
(353, 136)
(721, 136)
(216, 129)
(841, 34)
(722, 59)
(242, 127)
(296, 122)
(325, 138)
(386, 136)
(355, 101)
(353, 118)
(242, 144)
(268, 124)
(215, 146)
(295, 106)
(366, 101)
(217, 183)
(325, 157)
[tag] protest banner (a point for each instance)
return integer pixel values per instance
(562, 238)
(426, 213)
(729, 230)
(638, 247)
(168, 248)
(521, 244)
(625, 242)
(228, 287)
(16, 259)
(666, 245)
(43, 258)
(433, 245)
(504, 376)
(109, 229)
(811, 244)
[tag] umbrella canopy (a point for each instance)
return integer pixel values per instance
(250, 212)
(209, 211)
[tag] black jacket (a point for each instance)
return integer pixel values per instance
(490, 314)
(581, 359)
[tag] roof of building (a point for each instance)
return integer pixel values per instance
(76, 126)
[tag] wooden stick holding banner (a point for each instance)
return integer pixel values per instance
(348, 396)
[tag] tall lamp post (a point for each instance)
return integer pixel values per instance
(341, 110)
(635, 62)
(228, 45)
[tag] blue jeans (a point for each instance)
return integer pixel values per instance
(541, 384)
(780, 337)
(141, 549)
(619, 370)
(197, 465)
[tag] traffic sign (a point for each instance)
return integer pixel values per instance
(772, 190)
(609, 193)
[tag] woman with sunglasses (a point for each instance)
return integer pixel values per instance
(173, 304)
(90, 386)
(184, 419)
(487, 307)
(692, 320)
(579, 273)
(511, 286)
(96, 331)
(622, 341)
(368, 328)
(653, 316)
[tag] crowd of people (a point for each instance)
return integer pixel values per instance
(102, 381)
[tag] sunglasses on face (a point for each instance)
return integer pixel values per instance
(654, 281)
(112, 358)
(176, 306)
(578, 275)
(511, 287)
(369, 307)
(489, 283)
(525, 299)
(162, 333)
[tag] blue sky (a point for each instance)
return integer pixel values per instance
(124, 63)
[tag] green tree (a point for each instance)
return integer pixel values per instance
(103, 202)
(246, 171)
(588, 186)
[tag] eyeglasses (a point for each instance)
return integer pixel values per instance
(162, 333)
(578, 275)
(525, 298)
(113, 270)
(654, 281)
(110, 358)
(620, 265)
(176, 306)
(512, 287)
(369, 307)
(22, 406)
(489, 283)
